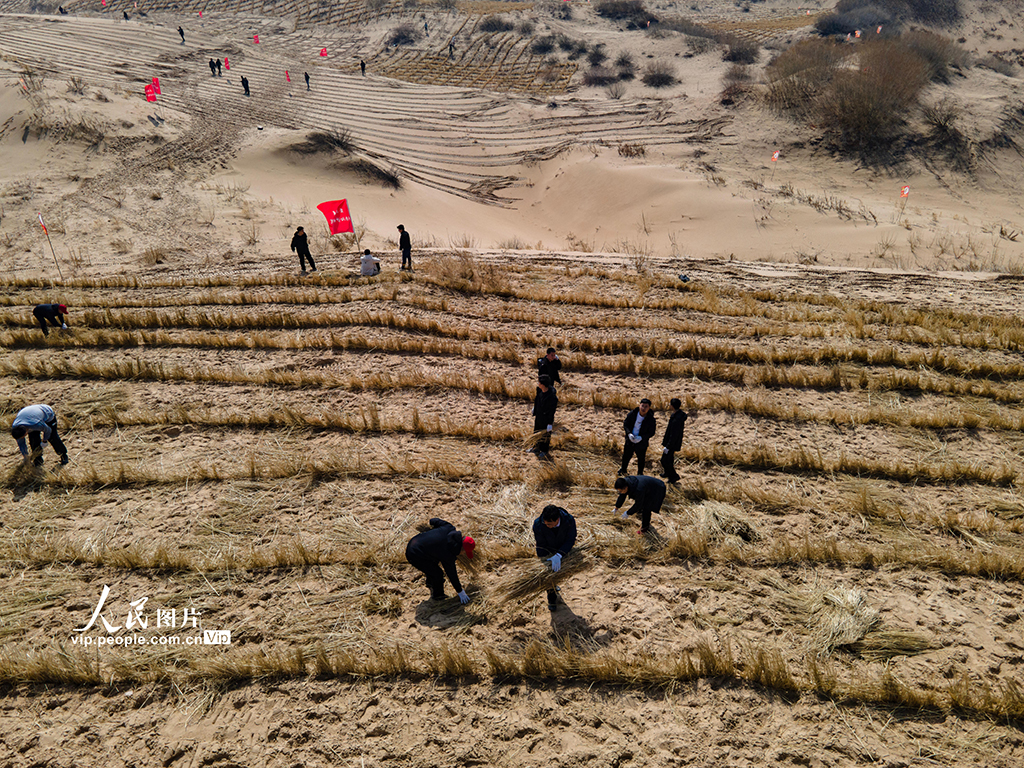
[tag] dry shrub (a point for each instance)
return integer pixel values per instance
(659, 74)
(326, 142)
(926, 11)
(632, 12)
(632, 150)
(382, 603)
(741, 51)
(797, 75)
(715, 520)
(403, 34)
(997, 64)
(154, 255)
(599, 76)
(495, 24)
(865, 108)
(737, 73)
(616, 91)
(940, 53)
(371, 172)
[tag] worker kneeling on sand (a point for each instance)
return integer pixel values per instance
(369, 264)
(39, 423)
(438, 548)
(555, 534)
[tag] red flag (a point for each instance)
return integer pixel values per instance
(256, 39)
(286, 76)
(905, 191)
(856, 33)
(104, 3)
(336, 213)
(200, 14)
(226, 65)
(150, 93)
(41, 223)
(323, 51)
(775, 155)
(879, 30)
(156, 85)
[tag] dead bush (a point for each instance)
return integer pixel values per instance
(741, 51)
(326, 142)
(659, 75)
(632, 12)
(797, 75)
(403, 34)
(940, 53)
(599, 76)
(496, 24)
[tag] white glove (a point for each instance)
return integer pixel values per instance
(634, 438)
(531, 411)
(625, 515)
(664, 451)
(549, 427)
(556, 563)
(463, 597)
(64, 327)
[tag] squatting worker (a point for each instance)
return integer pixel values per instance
(369, 265)
(673, 440)
(550, 365)
(438, 548)
(647, 494)
(555, 534)
(639, 425)
(51, 313)
(39, 423)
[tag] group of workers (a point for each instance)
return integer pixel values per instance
(435, 552)
(369, 265)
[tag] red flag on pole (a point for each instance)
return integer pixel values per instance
(336, 213)
(905, 191)
(226, 65)
(41, 223)
(150, 93)
(286, 76)
(775, 156)
(200, 14)
(156, 85)
(256, 39)
(323, 51)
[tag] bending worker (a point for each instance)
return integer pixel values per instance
(39, 423)
(438, 548)
(51, 313)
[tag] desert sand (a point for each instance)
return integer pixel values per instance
(836, 581)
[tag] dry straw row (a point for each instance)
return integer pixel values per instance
(658, 348)
(758, 665)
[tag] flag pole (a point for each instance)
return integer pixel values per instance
(55, 262)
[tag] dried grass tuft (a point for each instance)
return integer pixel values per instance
(536, 576)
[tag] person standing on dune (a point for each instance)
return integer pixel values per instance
(182, 33)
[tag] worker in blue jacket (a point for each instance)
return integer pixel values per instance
(39, 424)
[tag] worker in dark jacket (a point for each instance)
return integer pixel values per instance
(673, 440)
(550, 365)
(39, 423)
(639, 425)
(647, 494)
(300, 245)
(404, 242)
(555, 534)
(52, 313)
(544, 406)
(435, 549)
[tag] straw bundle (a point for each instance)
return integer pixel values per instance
(537, 576)
(715, 520)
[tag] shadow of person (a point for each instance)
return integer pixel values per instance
(450, 613)
(569, 628)
(24, 479)
(652, 540)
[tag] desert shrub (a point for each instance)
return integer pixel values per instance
(625, 67)
(797, 75)
(616, 91)
(732, 94)
(686, 27)
(579, 48)
(865, 108)
(76, 85)
(699, 45)
(632, 12)
(997, 65)
(737, 73)
(445, 5)
(632, 150)
(558, 9)
(863, 18)
(597, 55)
(335, 140)
(942, 12)
(940, 53)
(659, 75)
(741, 51)
(565, 42)
(386, 177)
(525, 28)
(599, 76)
(403, 34)
(496, 24)
(542, 45)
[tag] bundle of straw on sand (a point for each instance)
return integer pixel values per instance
(537, 576)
